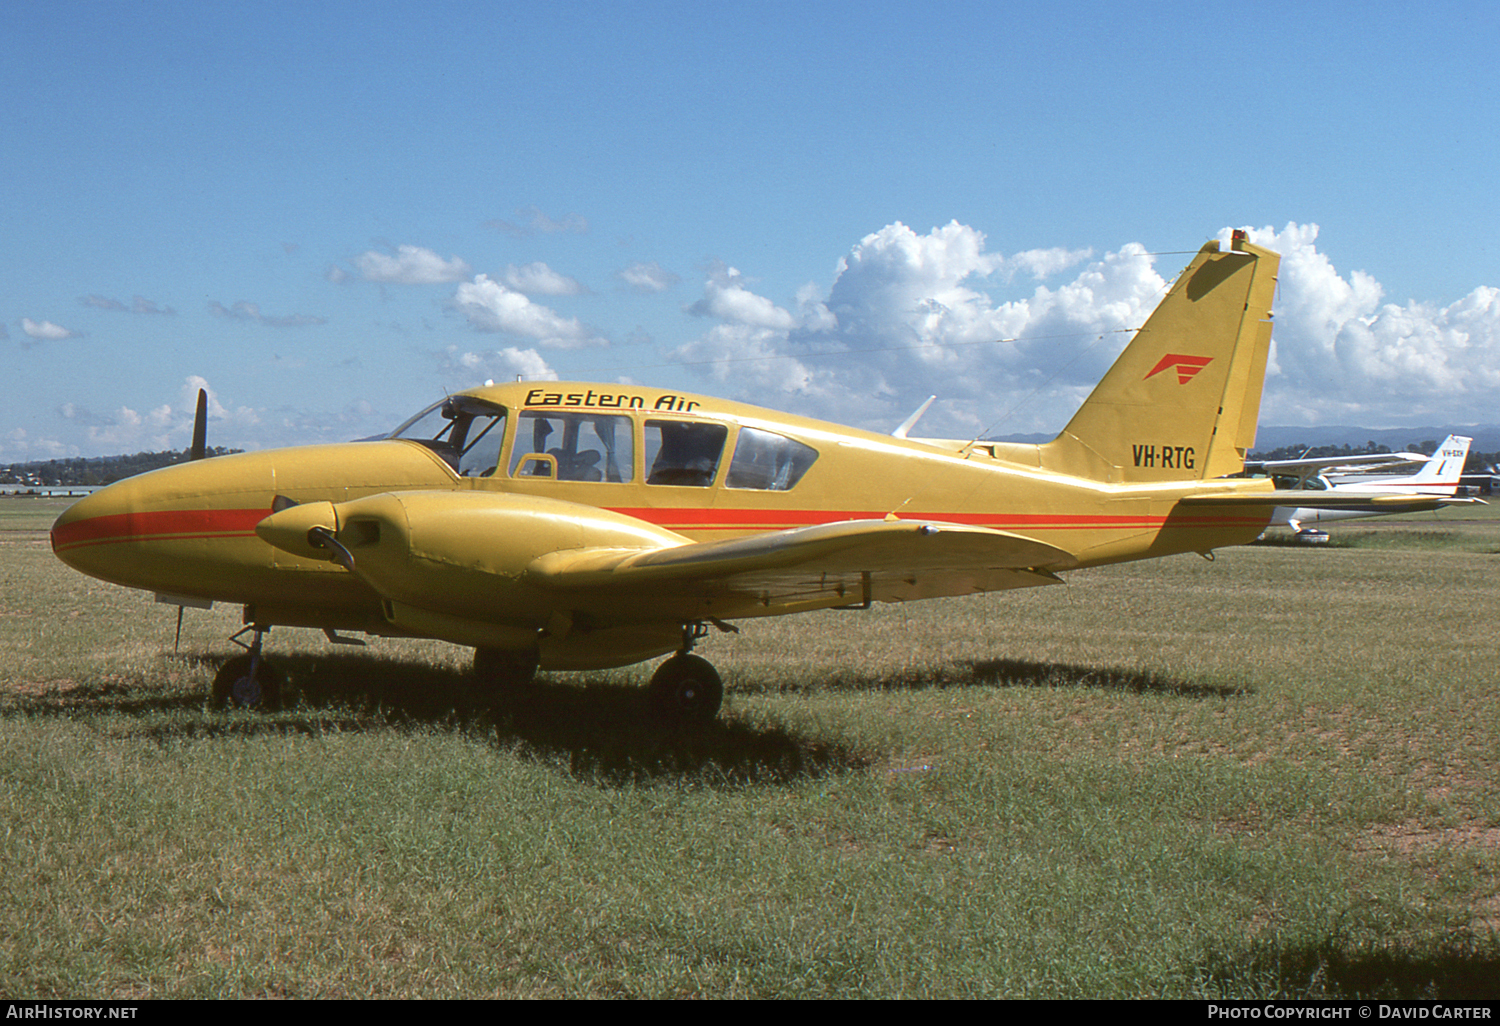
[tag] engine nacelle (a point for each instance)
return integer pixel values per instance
(462, 554)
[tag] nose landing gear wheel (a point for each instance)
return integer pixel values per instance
(687, 689)
(236, 687)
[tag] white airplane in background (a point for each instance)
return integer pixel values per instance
(1438, 476)
(1295, 473)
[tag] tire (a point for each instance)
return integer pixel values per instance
(234, 688)
(686, 689)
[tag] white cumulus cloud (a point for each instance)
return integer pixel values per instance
(907, 316)
(539, 279)
(725, 297)
(124, 430)
(468, 369)
(1341, 351)
(491, 306)
(1043, 263)
(45, 331)
(19, 444)
(410, 265)
(648, 277)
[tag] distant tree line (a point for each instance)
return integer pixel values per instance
(94, 470)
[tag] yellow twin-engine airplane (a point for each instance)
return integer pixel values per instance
(574, 526)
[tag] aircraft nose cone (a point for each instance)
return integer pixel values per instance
(164, 531)
(85, 530)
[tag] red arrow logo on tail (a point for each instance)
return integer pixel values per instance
(1187, 366)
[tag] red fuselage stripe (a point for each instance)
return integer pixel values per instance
(158, 525)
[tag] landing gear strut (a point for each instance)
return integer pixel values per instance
(686, 689)
(248, 681)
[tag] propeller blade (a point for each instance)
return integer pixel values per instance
(200, 428)
(323, 538)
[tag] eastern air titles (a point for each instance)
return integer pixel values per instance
(608, 401)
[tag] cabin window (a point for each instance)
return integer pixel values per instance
(768, 461)
(574, 447)
(683, 453)
(466, 432)
(1313, 483)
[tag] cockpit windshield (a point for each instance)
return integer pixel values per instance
(464, 431)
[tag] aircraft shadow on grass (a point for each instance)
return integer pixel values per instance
(1466, 970)
(993, 673)
(603, 730)
(1033, 674)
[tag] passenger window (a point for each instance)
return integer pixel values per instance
(684, 453)
(580, 447)
(768, 461)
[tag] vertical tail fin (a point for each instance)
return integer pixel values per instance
(1182, 400)
(1441, 473)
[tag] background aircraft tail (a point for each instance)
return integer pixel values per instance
(1182, 400)
(1441, 473)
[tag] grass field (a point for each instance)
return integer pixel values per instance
(1272, 775)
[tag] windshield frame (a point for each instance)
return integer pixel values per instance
(457, 413)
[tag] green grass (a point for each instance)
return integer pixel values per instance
(1267, 776)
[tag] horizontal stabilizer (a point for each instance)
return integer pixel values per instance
(1384, 502)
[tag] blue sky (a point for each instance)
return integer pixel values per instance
(330, 213)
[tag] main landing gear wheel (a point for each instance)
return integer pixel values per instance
(236, 687)
(501, 670)
(686, 689)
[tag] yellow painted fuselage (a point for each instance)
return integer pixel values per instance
(190, 530)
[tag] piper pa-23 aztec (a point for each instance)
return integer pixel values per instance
(573, 526)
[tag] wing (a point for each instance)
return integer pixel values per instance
(498, 557)
(1364, 461)
(856, 561)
